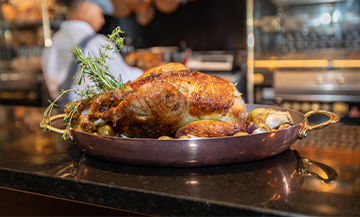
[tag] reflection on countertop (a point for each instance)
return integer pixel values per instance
(45, 164)
(237, 184)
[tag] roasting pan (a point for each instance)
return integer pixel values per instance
(197, 152)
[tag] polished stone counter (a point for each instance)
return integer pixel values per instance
(46, 165)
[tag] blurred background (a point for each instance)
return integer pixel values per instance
(298, 54)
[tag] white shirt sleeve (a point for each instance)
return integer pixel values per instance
(117, 66)
(54, 63)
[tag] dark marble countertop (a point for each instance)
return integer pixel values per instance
(46, 165)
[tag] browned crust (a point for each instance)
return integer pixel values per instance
(209, 128)
(102, 102)
(163, 68)
(207, 94)
(83, 105)
(153, 110)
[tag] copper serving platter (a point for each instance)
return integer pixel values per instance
(197, 152)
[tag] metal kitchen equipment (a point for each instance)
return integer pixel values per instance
(311, 50)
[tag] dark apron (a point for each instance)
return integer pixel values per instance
(72, 72)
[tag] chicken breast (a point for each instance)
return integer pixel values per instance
(163, 102)
(163, 68)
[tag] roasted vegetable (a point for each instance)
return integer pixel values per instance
(106, 130)
(272, 118)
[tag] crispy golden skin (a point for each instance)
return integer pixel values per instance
(163, 68)
(96, 105)
(83, 105)
(208, 128)
(102, 102)
(165, 101)
(170, 99)
(210, 97)
(153, 110)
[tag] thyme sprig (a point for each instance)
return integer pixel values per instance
(97, 70)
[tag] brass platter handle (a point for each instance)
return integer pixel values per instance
(46, 123)
(331, 174)
(333, 118)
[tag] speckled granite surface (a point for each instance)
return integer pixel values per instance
(47, 165)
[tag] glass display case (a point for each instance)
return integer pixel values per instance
(306, 54)
(25, 28)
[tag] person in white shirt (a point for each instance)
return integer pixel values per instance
(84, 19)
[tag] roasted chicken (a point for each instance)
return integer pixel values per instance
(171, 100)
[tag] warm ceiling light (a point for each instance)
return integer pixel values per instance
(48, 43)
(250, 40)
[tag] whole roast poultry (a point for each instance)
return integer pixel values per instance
(169, 100)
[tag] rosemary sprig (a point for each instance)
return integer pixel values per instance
(97, 70)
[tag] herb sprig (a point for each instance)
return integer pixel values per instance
(97, 70)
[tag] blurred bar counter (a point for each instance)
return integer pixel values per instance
(40, 174)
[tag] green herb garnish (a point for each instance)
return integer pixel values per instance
(97, 70)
